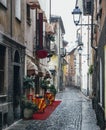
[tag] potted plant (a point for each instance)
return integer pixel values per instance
(28, 84)
(28, 108)
(52, 89)
(50, 94)
(44, 84)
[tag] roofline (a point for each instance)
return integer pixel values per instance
(55, 18)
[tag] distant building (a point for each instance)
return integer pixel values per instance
(58, 52)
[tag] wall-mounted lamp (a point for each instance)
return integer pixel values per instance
(77, 15)
(63, 52)
(80, 50)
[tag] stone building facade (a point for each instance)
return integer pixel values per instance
(99, 74)
(12, 55)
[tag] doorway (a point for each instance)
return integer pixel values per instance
(16, 87)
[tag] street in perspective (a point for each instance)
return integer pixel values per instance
(73, 113)
(52, 64)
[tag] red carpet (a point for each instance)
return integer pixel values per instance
(49, 109)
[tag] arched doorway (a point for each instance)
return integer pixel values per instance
(16, 86)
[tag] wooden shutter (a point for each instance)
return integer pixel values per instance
(41, 30)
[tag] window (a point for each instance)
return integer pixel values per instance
(18, 9)
(2, 68)
(3, 2)
(28, 14)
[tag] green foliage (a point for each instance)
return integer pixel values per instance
(51, 37)
(52, 89)
(90, 70)
(28, 104)
(44, 83)
(28, 82)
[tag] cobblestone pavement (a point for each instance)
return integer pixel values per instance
(74, 113)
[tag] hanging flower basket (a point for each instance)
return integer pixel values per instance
(41, 53)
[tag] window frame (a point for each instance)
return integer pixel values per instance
(18, 9)
(28, 14)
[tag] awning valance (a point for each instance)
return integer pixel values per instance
(31, 67)
(45, 70)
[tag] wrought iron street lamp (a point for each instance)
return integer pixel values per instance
(76, 15)
(80, 50)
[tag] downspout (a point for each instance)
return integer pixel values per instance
(49, 59)
(92, 10)
(59, 63)
(50, 12)
(11, 18)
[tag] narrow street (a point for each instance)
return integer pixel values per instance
(74, 113)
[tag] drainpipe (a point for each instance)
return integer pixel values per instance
(49, 59)
(59, 58)
(50, 12)
(92, 9)
(11, 18)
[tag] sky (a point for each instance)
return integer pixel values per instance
(64, 9)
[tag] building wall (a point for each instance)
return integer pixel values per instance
(11, 38)
(100, 77)
(4, 17)
(30, 33)
(9, 23)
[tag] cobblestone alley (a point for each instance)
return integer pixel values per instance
(74, 113)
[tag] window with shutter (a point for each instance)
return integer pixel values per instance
(18, 9)
(28, 14)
